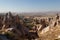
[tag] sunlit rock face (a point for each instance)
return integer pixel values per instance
(45, 30)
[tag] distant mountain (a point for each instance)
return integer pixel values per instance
(35, 13)
(40, 13)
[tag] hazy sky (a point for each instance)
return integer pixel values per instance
(29, 5)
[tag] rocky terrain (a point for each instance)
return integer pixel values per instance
(52, 34)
